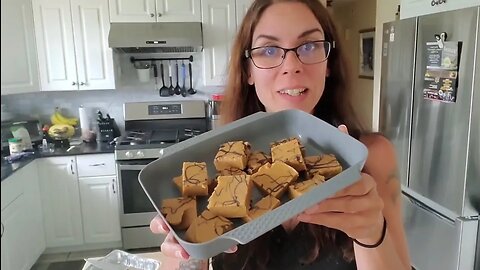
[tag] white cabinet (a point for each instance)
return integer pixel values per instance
(220, 20)
(72, 44)
(19, 57)
(23, 239)
(413, 8)
(155, 11)
(99, 198)
(60, 201)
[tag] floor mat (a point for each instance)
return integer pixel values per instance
(71, 265)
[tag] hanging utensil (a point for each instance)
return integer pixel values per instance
(184, 76)
(177, 88)
(191, 91)
(164, 91)
(155, 73)
(172, 88)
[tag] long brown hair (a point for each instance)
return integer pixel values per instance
(334, 107)
(241, 99)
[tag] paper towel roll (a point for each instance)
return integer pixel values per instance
(83, 115)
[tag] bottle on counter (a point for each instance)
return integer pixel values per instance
(15, 146)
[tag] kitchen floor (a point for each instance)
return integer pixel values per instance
(75, 260)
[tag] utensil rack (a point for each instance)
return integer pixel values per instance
(133, 59)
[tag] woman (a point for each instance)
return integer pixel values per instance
(287, 56)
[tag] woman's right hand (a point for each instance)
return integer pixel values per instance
(170, 247)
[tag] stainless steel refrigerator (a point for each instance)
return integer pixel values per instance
(437, 140)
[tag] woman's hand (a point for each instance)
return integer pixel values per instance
(170, 246)
(355, 210)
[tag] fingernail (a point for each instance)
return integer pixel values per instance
(178, 254)
(163, 227)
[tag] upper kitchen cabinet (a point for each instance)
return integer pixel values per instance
(155, 11)
(413, 8)
(19, 57)
(220, 20)
(72, 44)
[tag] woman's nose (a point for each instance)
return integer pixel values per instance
(291, 63)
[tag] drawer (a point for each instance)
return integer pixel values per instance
(96, 165)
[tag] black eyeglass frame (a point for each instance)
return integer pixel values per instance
(331, 46)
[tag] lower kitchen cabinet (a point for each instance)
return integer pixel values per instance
(99, 200)
(22, 238)
(61, 201)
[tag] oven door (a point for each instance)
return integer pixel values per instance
(135, 207)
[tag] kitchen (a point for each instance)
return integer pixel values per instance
(127, 87)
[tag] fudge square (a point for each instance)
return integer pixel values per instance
(232, 155)
(273, 179)
(231, 197)
(194, 179)
(290, 152)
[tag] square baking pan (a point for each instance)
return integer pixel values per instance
(260, 129)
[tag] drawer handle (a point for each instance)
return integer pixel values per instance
(97, 164)
(113, 186)
(71, 166)
(3, 230)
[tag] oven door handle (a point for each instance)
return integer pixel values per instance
(131, 167)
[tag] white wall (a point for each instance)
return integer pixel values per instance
(352, 16)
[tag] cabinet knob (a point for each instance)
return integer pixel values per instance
(82, 83)
(152, 15)
(159, 14)
(74, 83)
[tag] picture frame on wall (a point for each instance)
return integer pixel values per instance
(367, 53)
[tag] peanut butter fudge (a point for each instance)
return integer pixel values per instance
(231, 171)
(289, 151)
(256, 160)
(194, 179)
(326, 165)
(179, 184)
(179, 212)
(178, 181)
(232, 155)
(297, 189)
(207, 226)
(266, 204)
(231, 197)
(274, 178)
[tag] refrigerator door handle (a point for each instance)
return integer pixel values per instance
(430, 210)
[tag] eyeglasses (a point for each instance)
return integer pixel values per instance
(309, 53)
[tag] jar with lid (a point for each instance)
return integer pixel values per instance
(15, 145)
(214, 110)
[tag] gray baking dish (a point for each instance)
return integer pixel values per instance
(259, 130)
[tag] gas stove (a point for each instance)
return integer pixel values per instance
(152, 126)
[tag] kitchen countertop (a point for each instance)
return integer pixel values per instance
(81, 149)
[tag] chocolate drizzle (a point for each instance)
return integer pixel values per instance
(326, 165)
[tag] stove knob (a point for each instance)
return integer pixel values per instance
(129, 154)
(140, 154)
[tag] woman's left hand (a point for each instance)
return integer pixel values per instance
(355, 210)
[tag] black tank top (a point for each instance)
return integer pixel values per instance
(285, 253)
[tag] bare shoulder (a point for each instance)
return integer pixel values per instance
(381, 164)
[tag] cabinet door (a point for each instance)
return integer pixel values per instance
(219, 28)
(241, 9)
(55, 47)
(20, 209)
(94, 58)
(15, 241)
(413, 8)
(99, 199)
(178, 11)
(19, 56)
(132, 11)
(60, 201)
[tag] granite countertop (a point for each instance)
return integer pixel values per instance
(81, 149)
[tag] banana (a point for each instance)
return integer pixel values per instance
(61, 131)
(57, 119)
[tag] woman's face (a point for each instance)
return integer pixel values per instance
(292, 85)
